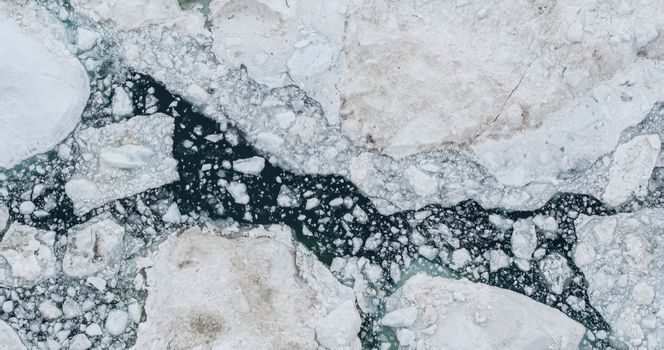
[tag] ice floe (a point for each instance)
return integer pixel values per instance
(93, 248)
(26, 256)
(254, 289)
(9, 340)
(633, 163)
(44, 88)
(441, 313)
(121, 160)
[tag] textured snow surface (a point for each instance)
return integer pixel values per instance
(121, 160)
(440, 313)
(622, 256)
(44, 88)
(253, 289)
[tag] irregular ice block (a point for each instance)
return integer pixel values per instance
(26, 256)
(92, 248)
(459, 314)
(123, 159)
(257, 291)
(43, 90)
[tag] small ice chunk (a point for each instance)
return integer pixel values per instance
(127, 157)
(197, 95)
(268, 141)
(644, 34)
(26, 208)
(498, 259)
(285, 119)
(253, 165)
(643, 293)
(311, 203)
(116, 322)
(524, 239)
(286, 197)
(93, 247)
(400, 318)
(546, 223)
(428, 252)
(575, 32)
(583, 254)
(423, 183)
(49, 310)
(121, 103)
(86, 39)
(28, 253)
(97, 282)
(4, 217)
(93, 330)
(80, 342)
(172, 215)
(556, 272)
(239, 192)
(460, 258)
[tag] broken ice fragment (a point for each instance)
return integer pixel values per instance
(93, 248)
(445, 313)
(26, 256)
(253, 165)
(122, 159)
(632, 166)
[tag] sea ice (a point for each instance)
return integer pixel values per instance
(256, 290)
(121, 160)
(44, 89)
(93, 248)
(9, 340)
(633, 163)
(26, 256)
(445, 313)
(622, 258)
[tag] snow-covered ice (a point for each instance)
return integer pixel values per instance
(121, 160)
(9, 340)
(633, 163)
(44, 88)
(26, 256)
(257, 289)
(442, 313)
(253, 165)
(93, 248)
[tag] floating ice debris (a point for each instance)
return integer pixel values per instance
(26, 256)
(121, 160)
(93, 248)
